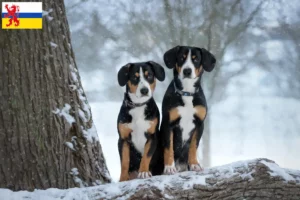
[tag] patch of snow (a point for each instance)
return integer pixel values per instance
(248, 176)
(52, 44)
(74, 172)
(82, 115)
(84, 103)
(73, 87)
(45, 13)
(70, 145)
(277, 171)
(84, 110)
(91, 133)
(65, 113)
(195, 180)
(168, 196)
(49, 18)
(74, 77)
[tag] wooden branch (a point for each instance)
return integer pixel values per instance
(254, 179)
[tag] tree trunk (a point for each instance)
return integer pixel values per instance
(47, 136)
(255, 179)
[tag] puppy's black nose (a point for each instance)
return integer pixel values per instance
(187, 72)
(144, 91)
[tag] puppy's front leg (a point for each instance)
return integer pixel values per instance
(192, 158)
(169, 149)
(125, 160)
(124, 150)
(169, 157)
(149, 149)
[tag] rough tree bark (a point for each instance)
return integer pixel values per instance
(254, 179)
(47, 136)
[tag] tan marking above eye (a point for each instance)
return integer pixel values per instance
(137, 74)
(146, 73)
(184, 55)
(193, 57)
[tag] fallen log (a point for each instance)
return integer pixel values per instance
(254, 179)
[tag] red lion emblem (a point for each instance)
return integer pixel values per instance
(12, 13)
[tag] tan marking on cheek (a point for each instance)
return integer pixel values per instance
(145, 162)
(146, 73)
(173, 114)
(137, 74)
(193, 150)
(169, 152)
(132, 88)
(153, 125)
(178, 68)
(200, 112)
(153, 85)
(198, 71)
(124, 130)
(125, 162)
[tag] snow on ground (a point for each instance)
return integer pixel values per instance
(266, 127)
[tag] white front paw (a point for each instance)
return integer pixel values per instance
(170, 169)
(143, 175)
(196, 168)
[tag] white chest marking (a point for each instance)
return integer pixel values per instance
(187, 117)
(139, 126)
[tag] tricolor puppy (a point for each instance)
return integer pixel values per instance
(184, 107)
(138, 119)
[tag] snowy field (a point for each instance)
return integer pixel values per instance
(267, 127)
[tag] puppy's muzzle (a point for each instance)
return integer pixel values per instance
(187, 72)
(144, 91)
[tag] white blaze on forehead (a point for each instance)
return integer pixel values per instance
(189, 64)
(143, 83)
(188, 83)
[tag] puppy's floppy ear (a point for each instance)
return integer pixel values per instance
(170, 57)
(159, 71)
(208, 60)
(123, 75)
